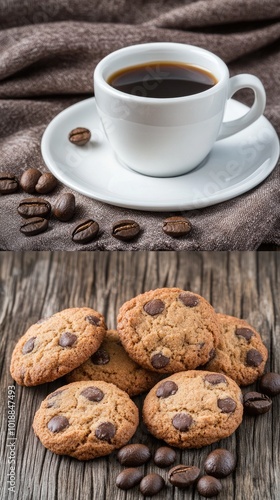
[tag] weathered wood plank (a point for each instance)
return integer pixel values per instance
(34, 285)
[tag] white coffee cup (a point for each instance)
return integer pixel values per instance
(169, 136)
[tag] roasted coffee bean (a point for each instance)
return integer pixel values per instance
(85, 232)
(105, 431)
(29, 179)
(58, 423)
(34, 226)
(220, 463)
(256, 403)
(166, 389)
(151, 484)
(134, 455)
(182, 421)
(270, 384)
(209, 486)
(126, 229)
(34, 207)
(176, 226)
(159, 361)
(64, 207)
(164, 456)
(129, 478)
(79, 136)
(183, 476)
(46, 183)
(8, 183)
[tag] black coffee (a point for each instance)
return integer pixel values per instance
(162, 80)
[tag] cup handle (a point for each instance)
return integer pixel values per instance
(236, 83)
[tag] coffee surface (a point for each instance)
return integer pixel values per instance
(162, 80)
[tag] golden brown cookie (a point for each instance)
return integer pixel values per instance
(193, 408)
(240, 353)
(86, 420)
(112, 364)
(168, 329)
(55, 346)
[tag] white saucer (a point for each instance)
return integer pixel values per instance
(234, 166)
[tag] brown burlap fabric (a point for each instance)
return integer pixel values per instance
(48, 50)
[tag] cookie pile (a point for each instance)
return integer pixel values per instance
(162, 333)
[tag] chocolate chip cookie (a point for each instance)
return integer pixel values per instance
(168, 329)
(240, 353)
(86, 420)
(193, 408)
(112, 364)
(55, 346)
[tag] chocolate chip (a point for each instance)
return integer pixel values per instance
(93, 320)
(212, 354)
(100, 357)
(256, 403)
(253, 358)
(93, 394)
(151, 484)
(105, 431)
(58, 423)
(183, 476)
(215, 378)
(53, 396)
(79, 136)
(246, 333)
(159, 360)
(56, 393)
(270, 384)
(188, 299)
(8, 183)
(209, 486)
(129, 478)
(67, 339)
(154, 307)
(227, 405)
(164, 456)
(134, 455)
(220, 463)
(182, 421)
(167, 389)
(28, 346)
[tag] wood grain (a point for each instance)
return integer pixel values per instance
(35, 285)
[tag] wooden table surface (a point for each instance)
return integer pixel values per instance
(35, 285)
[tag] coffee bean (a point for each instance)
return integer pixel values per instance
(46, 183)
(58, 423)
(28, 346)
(93, 320)
(188, 299)
(159, 361)
(151, 484)
(220, 463)
(270, 384)
(253, 358)
(227, 405)
(182, 422)
(105, 431)
(246, 333)
(79, 136)
(67, 339)
(256, 403)
(85, 232)
(154, 307)
(209, 486)
(34, 226)
(134, 455)
(164, 456)
(125, 230)
(100, 357)
(183, 476)
(93, 394)
(129, 478)
(167, 389)
(29, 180)
(8, 183)
(34, 207)
(64, 207)
(215, 378)
(176, 226)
